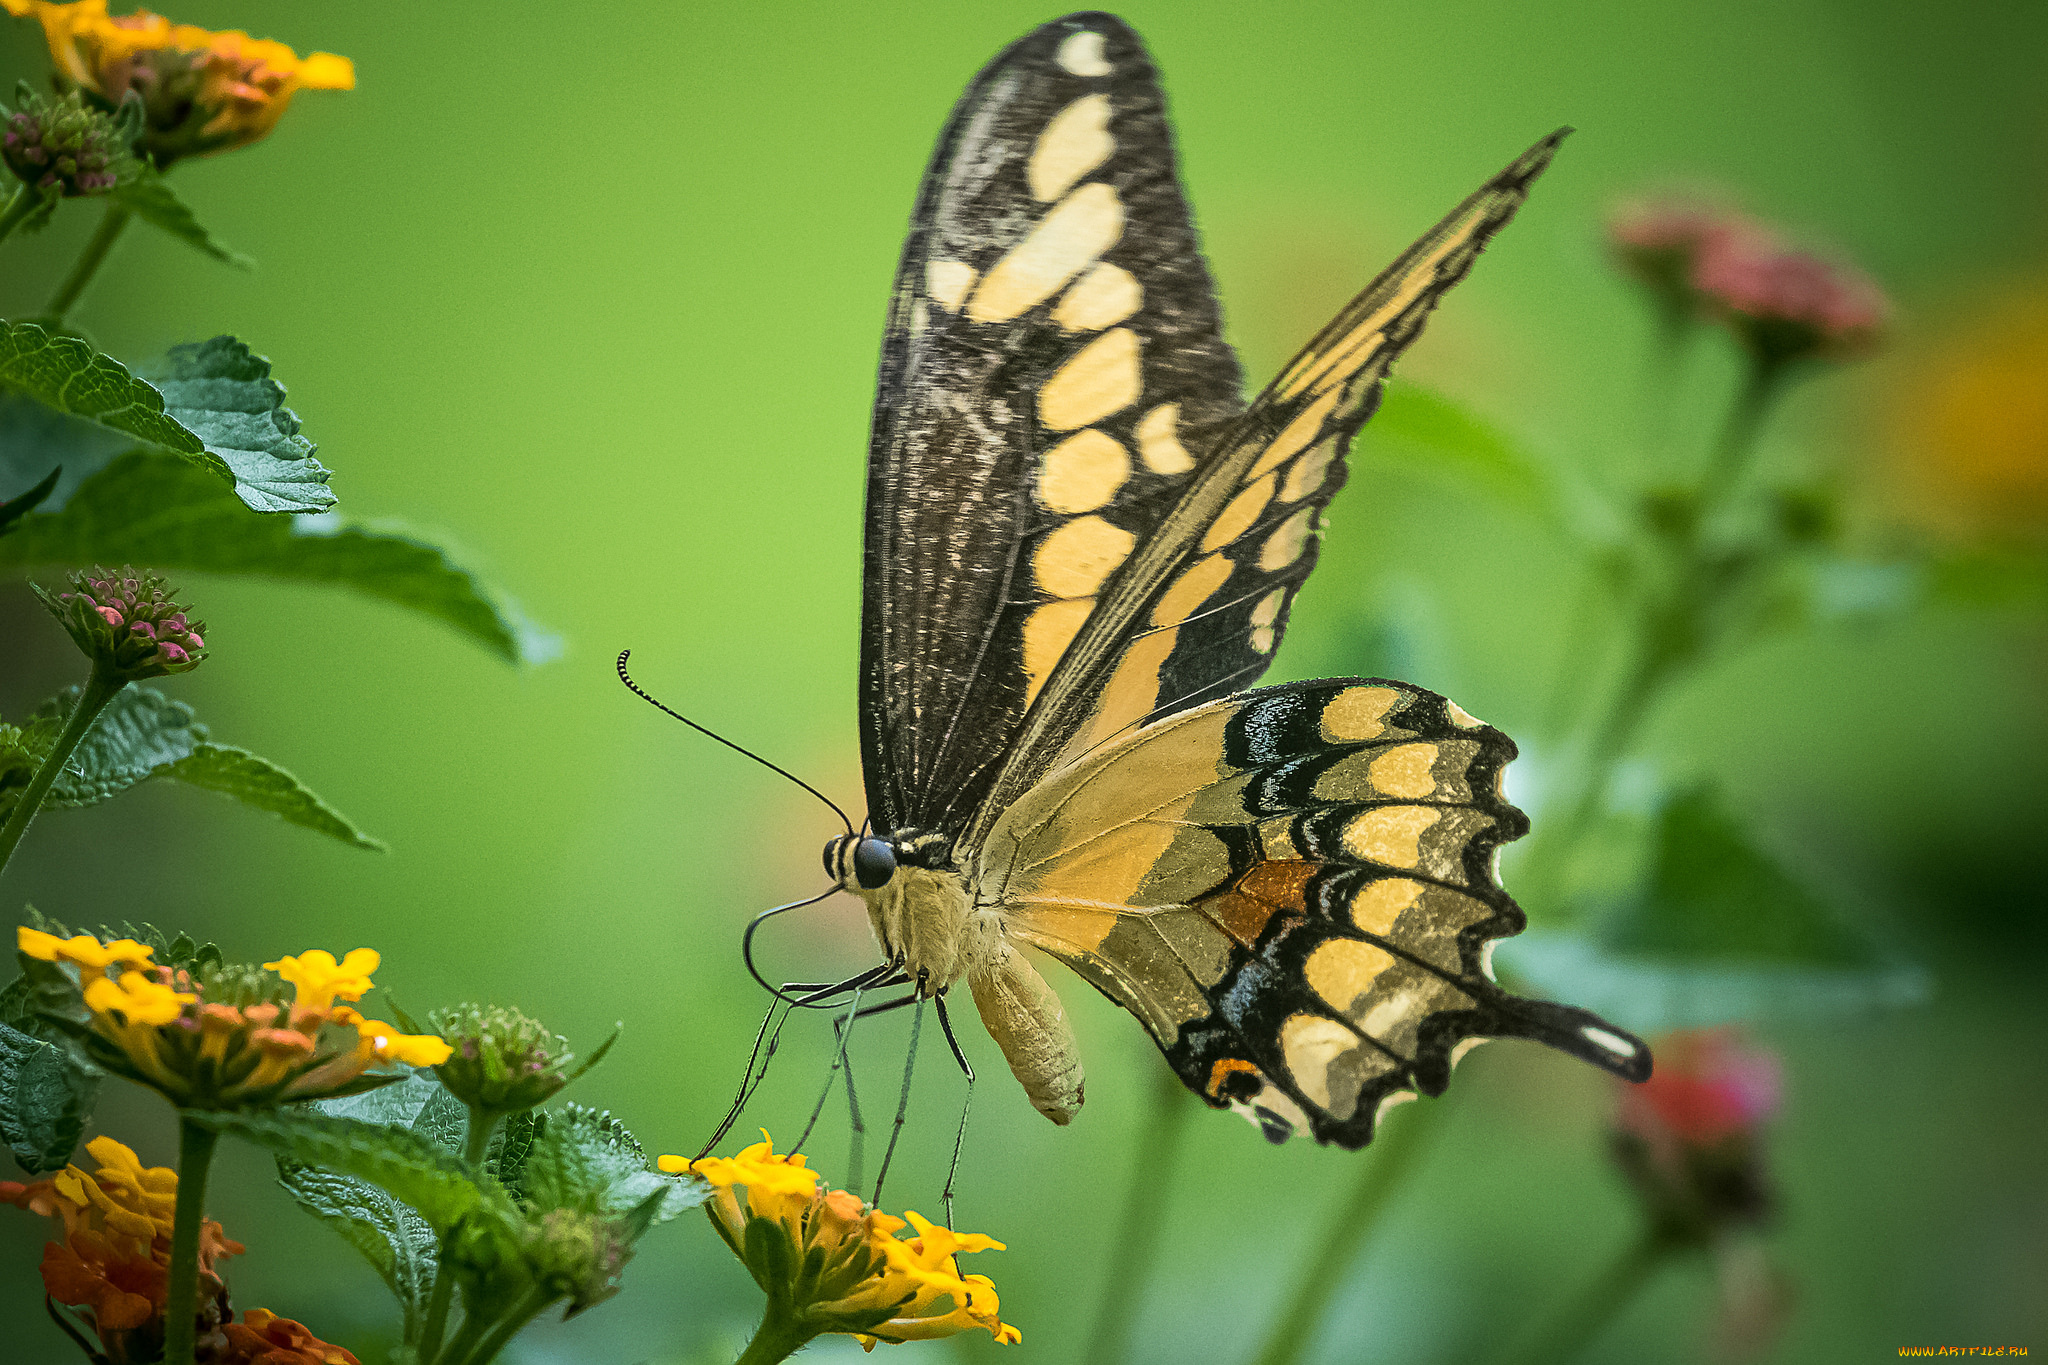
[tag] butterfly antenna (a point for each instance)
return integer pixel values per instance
(902, 1101)
(637, 690)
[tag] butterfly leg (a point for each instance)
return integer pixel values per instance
(960, 1135)
(902, 1100)
(844, 1028)
(752, 1081)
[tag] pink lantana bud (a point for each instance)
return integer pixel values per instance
(1691, 1137)
(127, 623)
(1784, 304)
(1657, 238)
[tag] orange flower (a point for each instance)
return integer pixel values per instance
(115, 1256)
(264, 1338)
(202, 92)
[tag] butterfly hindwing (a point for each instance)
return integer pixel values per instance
(1197, 610)
(1053, 355)
(1294, 891)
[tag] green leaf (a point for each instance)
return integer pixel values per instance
(143, 734)
(438, 1185)
(586, 1160)
(150, 509)
(150, 197)
(14, 509)
(396, 1241)
(213, 403)
(259, 783)
(45, 1099)
(1715, 931)
(1427, 430)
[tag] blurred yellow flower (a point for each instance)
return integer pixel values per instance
(838, 1265)
(202, 92)
(83, 949)
(319, 980)
(143, 1000)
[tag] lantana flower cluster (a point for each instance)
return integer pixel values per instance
(202, 92)
(1700, 259)
(128, 624)
(114, 1263)
(64, 146)
(225, 1037)
(836, 1265)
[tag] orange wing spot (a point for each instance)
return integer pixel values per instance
(1270, 888)
(1223, 1071)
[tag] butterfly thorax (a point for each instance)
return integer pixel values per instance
(930, 922)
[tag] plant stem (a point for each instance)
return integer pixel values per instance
(88, 264)
(100, 687)
(1137, 1240)
(181, 1311)
(1738, 438)
(775, 1339)
(1567, 1334)
(505, 1328)
(1322, 1271)
(475, 1147)
(20, 205)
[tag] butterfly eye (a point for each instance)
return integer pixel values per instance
(874, 863)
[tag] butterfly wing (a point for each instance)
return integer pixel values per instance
(1293, 890)
(1197, 611)
(1053, 354)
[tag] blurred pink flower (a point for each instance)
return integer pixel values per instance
(1691, 1137)
(1785, 304)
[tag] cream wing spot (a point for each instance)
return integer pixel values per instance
(1083, 472)
(1306, 475)
(1101, 379)
(1391, 835)
(1191, 589)
(1047, 633)
(1358, 713)
(1341, 970)
(1381, 903)
(1406, 771)
(1074, 560)
(1264, 616)
(1462, 718)
(1081, 55)
(1295, 435)
(1101, 298)
(1159, 441)
(1287, 542)
(1238, 514)
(1066, 241)
(948, 282)
(1074, 143)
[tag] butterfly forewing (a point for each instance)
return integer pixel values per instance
(1052, 365)
(1197, 611)
(1294, 891)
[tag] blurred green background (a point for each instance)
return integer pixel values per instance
(598, 290)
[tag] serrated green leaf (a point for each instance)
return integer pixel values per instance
(261, 784)
(1715, 931)
(437, 1184)
(143, 734)
(396, 1241)
(213, 403)
(1427, 429)
(586, 1160)
(150, 197)
(45, 1100)
(151, 509)
(511, 1144)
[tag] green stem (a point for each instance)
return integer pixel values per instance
(1738, 439)
(1137, 1240)
(777, 1338)
(181, 1307)
(100, 688)
(505, 1328)
(475, 1147)
(24, 201)
(88, 265)
(1322, 1271)
(1569, 1332)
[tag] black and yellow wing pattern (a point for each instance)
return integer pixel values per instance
(1081, 549)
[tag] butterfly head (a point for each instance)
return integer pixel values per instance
(860, 862)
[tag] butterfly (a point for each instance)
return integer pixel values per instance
(1080, 550)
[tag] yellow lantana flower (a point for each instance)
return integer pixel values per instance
(867, 1282)
(219, 1036)
(202, 92)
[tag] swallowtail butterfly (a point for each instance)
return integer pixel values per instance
(1081, 547)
